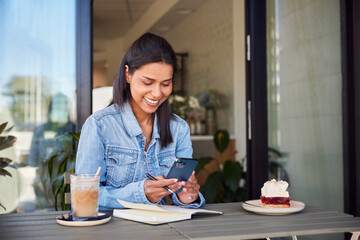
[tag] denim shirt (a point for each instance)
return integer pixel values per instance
(112, 139)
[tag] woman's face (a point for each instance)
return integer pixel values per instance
(150, 86)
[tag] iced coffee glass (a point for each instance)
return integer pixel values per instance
(84, 196)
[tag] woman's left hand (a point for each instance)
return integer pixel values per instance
(190, 192)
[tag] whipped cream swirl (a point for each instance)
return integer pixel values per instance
(275, 188)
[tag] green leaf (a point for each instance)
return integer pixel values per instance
(2, 127)
(212, 187)
(58, 191)
(202, 162)
(232, 174)
(62, 167)
(221, 140)
(51, 164)
(7, 141)
(62, 194)
(4, 172)
(73, 160)
(76, 136)
(4, 162)
(56, 204)
(9, 129)
(57, 185)
(71, 164)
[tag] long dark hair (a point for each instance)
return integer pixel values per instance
(149, 48)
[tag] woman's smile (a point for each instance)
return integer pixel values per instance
(152, 102)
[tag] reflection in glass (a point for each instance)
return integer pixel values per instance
(44, 136)
(37, 96)
(304, 99)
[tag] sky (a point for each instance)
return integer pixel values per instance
(37, 39)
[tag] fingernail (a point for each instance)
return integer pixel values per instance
(175, 180)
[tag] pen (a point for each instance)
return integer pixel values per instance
(152, 178)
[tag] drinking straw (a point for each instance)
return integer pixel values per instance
(97, 172)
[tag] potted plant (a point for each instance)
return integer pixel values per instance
(62, 160)
(211, 99)
(227, 183)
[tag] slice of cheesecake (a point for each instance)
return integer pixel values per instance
(274, 194)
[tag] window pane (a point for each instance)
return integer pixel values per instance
(304, 99)
(37, 96)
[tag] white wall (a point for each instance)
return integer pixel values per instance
(100, 74)
(207, 35)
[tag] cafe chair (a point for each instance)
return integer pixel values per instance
(67, 181)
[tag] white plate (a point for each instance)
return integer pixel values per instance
(82, 223)
(295, 206)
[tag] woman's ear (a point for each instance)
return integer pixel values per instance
(127, 74)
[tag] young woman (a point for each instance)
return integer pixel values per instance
(137, 134)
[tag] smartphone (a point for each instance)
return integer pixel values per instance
(182, 169)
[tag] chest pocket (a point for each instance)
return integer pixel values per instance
(121, 164)
(166, 160)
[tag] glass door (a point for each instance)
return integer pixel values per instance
(38, 94)
(304, 90)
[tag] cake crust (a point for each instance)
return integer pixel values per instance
(275, 205)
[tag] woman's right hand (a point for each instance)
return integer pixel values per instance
(155, 191)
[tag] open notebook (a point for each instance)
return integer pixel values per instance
(157, 214)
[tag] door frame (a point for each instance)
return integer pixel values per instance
(83, 61)
(350, 62)
(256, 97)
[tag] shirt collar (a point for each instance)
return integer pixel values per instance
(155, 128)
(131, 124)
